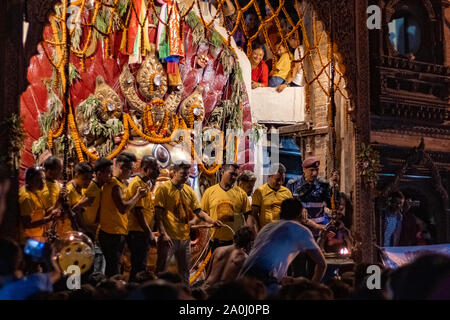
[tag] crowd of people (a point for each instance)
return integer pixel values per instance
(265, 243)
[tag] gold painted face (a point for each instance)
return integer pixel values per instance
(110, 103)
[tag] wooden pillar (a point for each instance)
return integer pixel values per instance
(12, 84)
(364, 206)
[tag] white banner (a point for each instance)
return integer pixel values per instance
(394, 257)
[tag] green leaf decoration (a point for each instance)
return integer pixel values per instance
(122, 7)
(216, 39)
(73, 74)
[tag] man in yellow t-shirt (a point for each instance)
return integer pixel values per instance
(141, 218)
(114, 212)
(175, 203)
(267, 199)
(33, 216)
(52, 194)
(228, 203)
(75, 192)
(89, 207)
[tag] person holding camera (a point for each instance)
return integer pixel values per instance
(14, 285)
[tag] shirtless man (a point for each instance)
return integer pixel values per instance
(226, 262)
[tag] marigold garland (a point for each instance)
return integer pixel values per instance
(200, 270)
(127, 118)
(123, 142)
(191, 116)
(52, 135)
(162, 131)
(75, 136)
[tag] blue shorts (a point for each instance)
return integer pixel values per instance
(275, 81)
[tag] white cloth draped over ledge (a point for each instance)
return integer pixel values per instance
(270, 106)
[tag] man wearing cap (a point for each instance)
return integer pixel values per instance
(314, 194)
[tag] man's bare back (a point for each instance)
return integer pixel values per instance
(225, 264)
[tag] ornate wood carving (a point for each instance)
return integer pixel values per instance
(419, 156)
(394, 154)
(36, 14)
(389, 10)
(390, 106)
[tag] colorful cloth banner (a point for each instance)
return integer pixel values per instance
(394, 257)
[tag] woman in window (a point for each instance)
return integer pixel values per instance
(260, 70)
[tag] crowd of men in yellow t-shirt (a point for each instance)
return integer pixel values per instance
(115, 209)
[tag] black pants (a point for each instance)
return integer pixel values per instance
(138, 244)
(215, 243)
(112, 247)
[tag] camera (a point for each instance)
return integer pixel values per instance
(36, 249)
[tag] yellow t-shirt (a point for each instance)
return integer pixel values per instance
(226, 206)
(50, 193)
(111, 220)
(283, 66)
(269, 201)
(146, 203)
(90, 212)
(73, 197)
(31, 205)
(178, 203)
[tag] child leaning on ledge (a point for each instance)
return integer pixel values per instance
(281, 70)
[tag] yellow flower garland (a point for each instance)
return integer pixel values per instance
(127, 118)
(75, 136)
(191, 116)
(52, 135)
(162, 131)
(202, 267)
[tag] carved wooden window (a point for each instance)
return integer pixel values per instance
(405, 34)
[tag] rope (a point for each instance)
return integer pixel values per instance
(207, 246)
